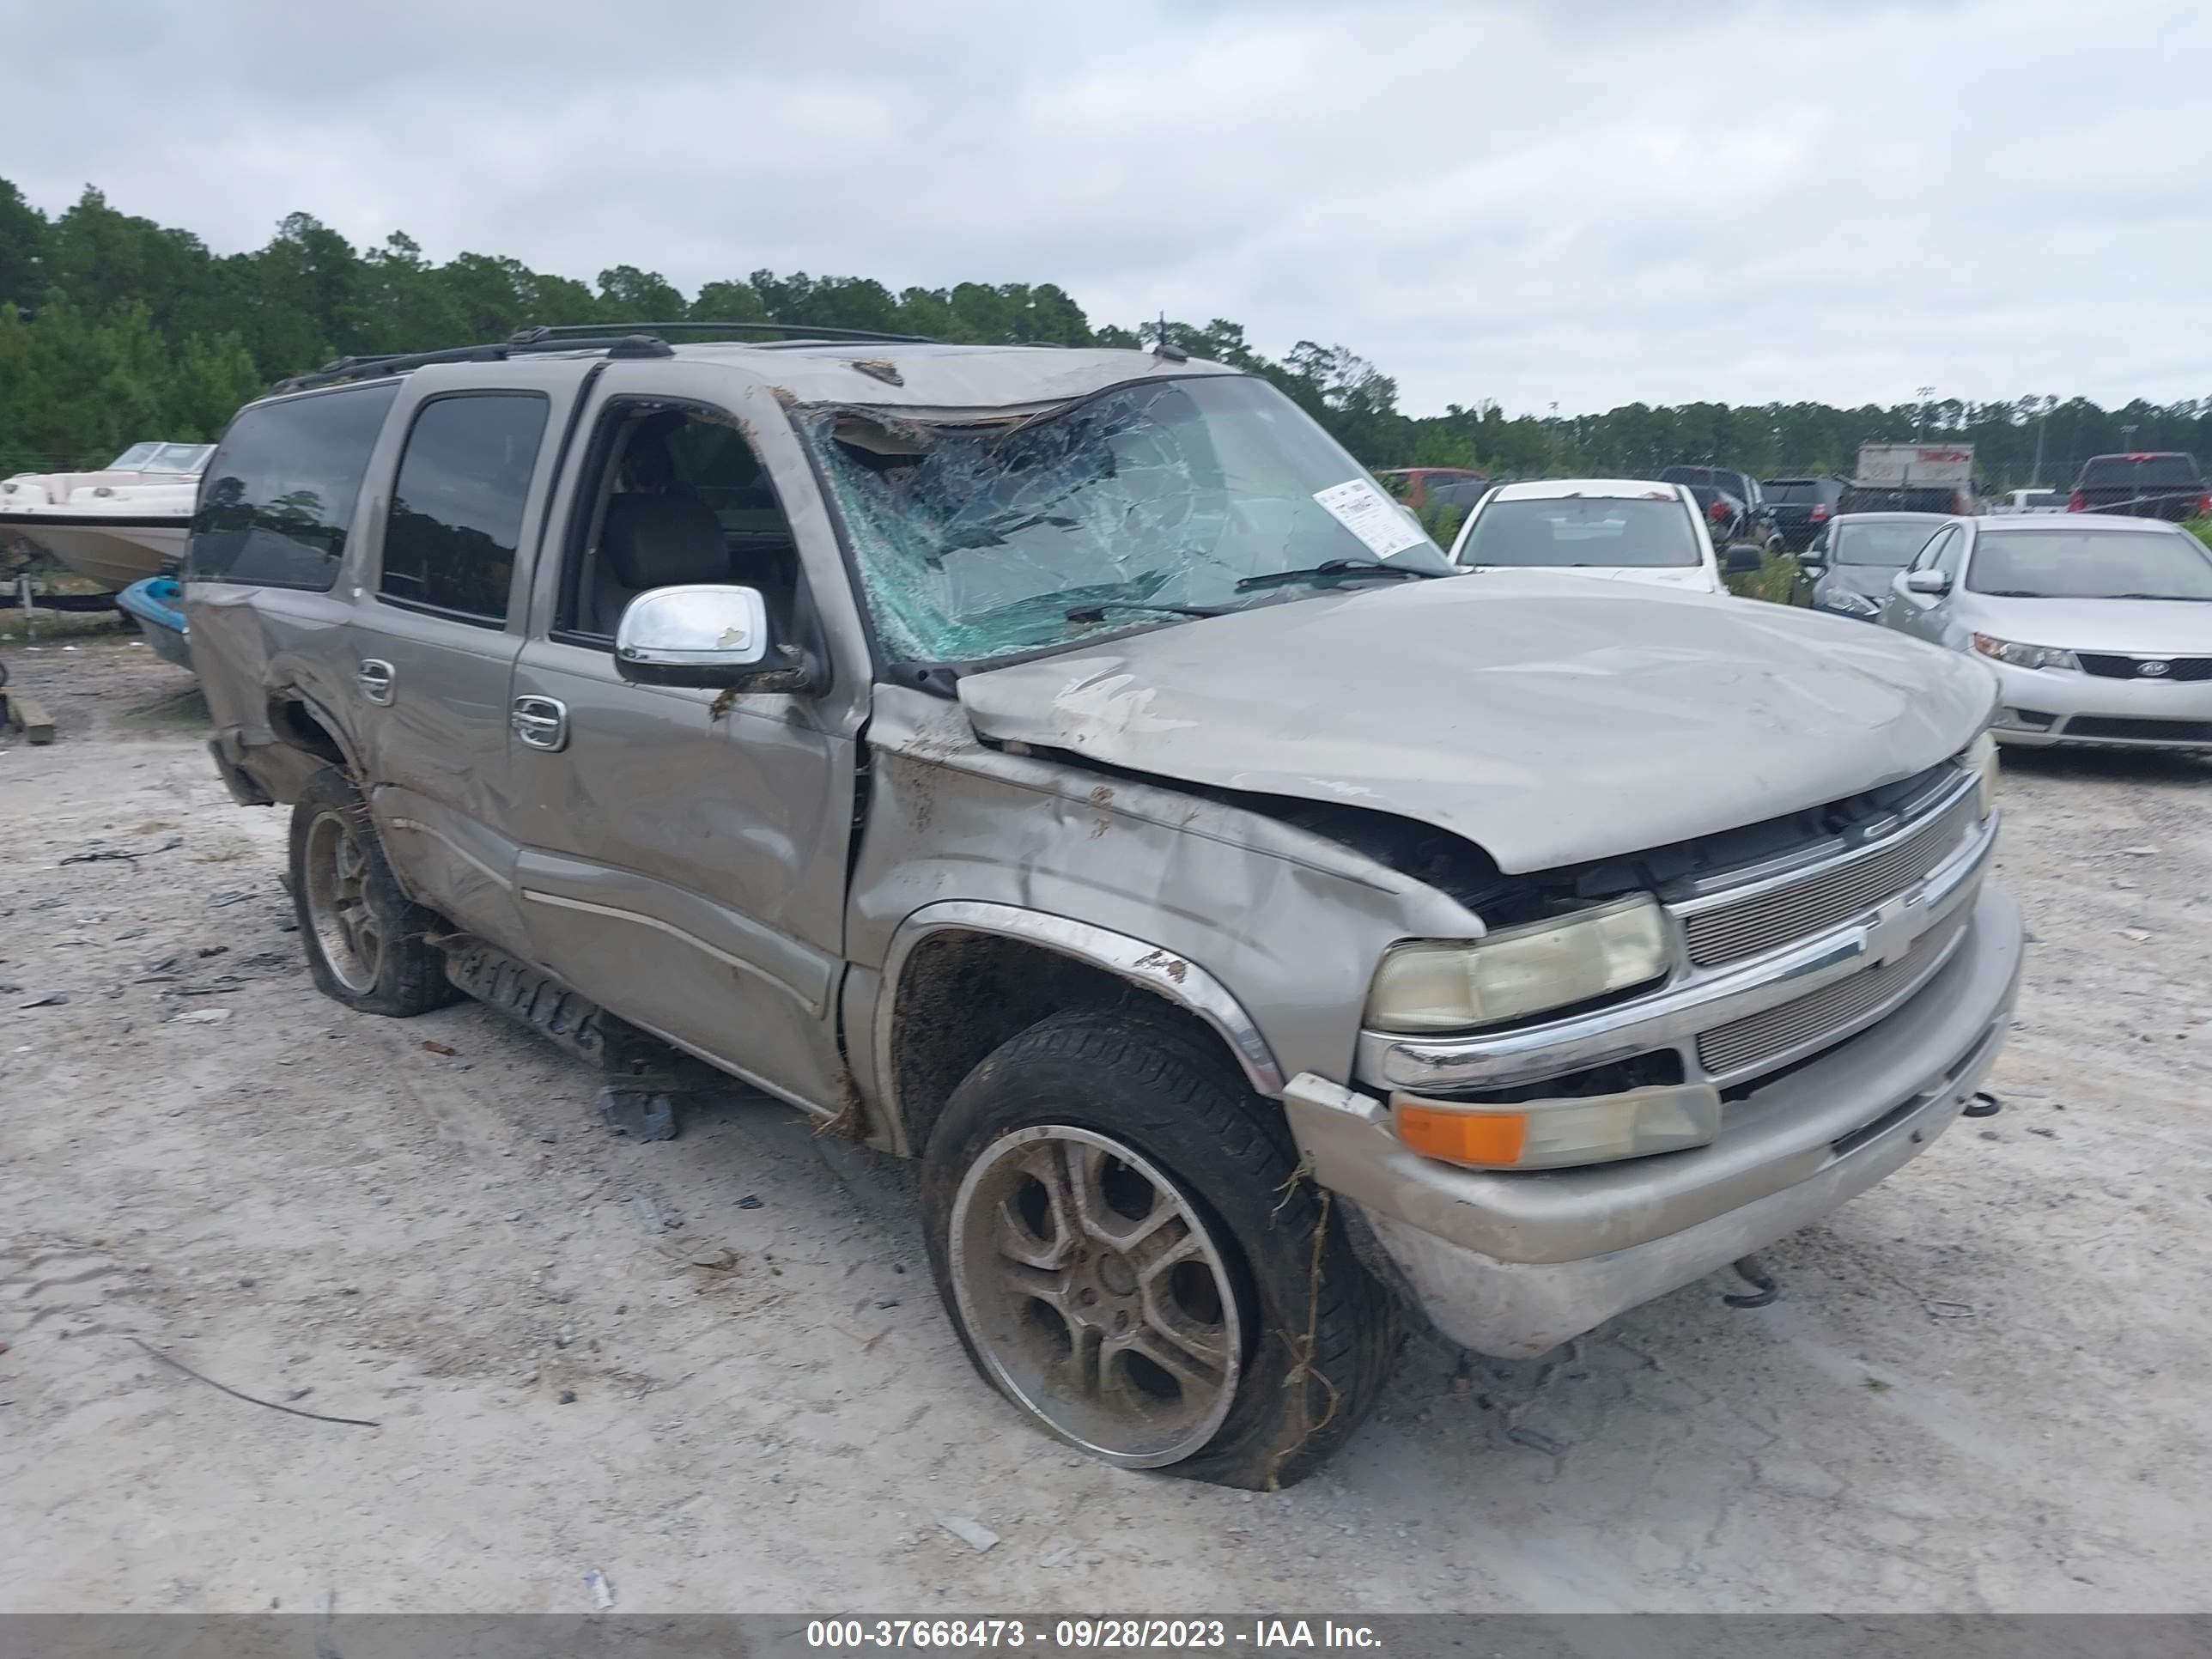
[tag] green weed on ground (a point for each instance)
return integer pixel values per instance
(1775, 582)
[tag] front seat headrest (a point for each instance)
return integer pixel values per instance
(660, 541)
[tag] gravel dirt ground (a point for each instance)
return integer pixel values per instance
(713, 1371)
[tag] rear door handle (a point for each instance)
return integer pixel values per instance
(375, 676)
(541, 722)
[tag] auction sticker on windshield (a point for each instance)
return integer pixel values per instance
(1372, 516)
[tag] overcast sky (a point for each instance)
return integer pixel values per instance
(1586, 202)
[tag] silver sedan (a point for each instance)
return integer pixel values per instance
(2099, 629)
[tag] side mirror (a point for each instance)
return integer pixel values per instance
(1741, 561)
(1930, 584)
(707, 636)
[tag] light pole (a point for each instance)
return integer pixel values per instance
(1926, 392)
(2044, 406)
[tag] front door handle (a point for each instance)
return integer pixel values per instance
(541, 722)
(375, 676)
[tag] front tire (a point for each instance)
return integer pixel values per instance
(1126, 1244)
(364, 937)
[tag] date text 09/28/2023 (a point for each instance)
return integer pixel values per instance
(1079, 1634)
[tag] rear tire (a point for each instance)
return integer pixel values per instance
(1123, 1238)
(363, 936)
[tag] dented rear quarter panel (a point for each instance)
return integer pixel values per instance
(261, 647)
(1292, 923)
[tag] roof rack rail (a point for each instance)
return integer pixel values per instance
(545, 332)
(398, 363)
(615, 340)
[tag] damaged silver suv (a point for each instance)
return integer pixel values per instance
(1069, 769)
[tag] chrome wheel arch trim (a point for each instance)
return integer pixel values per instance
(1165, 972)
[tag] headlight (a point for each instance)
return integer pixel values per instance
(2024, 656)
(1981, 759)
(1849, 604)
(1449, 987)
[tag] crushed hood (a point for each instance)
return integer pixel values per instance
(1551, 720)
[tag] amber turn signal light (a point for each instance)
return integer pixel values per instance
(1489, 1139)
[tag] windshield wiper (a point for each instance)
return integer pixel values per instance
(1340, 569)
(1096, 611)
(2183, 599)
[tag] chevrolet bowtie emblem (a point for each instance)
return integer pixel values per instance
(1891, 934)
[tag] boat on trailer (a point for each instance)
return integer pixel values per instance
(117, 525)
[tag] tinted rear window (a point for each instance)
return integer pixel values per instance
(457, 508)
(2146, 472)
(1793, 491)
(1602, 532)
(276, 499)
(1891, 545)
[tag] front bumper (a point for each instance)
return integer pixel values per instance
(1515, 1264)
(2044, 708)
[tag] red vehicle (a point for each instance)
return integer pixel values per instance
(1422, 487)
(2148, 484)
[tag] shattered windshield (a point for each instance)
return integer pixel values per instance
(976, 540)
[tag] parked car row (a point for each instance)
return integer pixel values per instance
(1787, 511)
(2098, 626)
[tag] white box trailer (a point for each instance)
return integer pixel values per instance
(1915, 467)
(1912, 478)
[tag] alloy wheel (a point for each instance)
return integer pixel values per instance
(1097, 1293)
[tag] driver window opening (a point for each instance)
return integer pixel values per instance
(681, 498)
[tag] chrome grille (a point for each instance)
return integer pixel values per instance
(1729, 932)
(1743, 1045)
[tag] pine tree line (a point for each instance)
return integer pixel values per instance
(114, 329)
